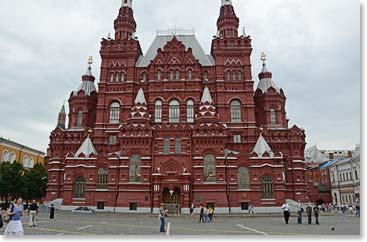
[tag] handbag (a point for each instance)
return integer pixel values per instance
(7, 217)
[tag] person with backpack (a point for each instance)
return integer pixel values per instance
(15, 227)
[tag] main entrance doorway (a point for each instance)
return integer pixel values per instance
(172, 200)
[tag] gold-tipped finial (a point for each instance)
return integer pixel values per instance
(263, 58)
(261, 131)
(90, 60)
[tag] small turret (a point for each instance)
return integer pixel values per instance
(228, 22)
(61, 122)
(125, 25)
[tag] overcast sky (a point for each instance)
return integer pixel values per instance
(313, 50)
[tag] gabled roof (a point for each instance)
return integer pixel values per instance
(261, 147)
(86, 149)
(140, 98)
(86, 86)
(327, 164)
(189, 41)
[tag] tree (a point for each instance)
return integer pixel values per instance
(35, 182)
(11, 179)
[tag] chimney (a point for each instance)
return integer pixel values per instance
(331, 156)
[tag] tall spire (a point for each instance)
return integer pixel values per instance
(87, 85)
(228, 22)
(127, 3)
(125, 25)
(62, 118)
(265, 77)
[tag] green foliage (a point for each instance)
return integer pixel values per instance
(16, 181)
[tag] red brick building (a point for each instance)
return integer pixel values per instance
(319, 186)
(163, 127)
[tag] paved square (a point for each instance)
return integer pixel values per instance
(67, 223)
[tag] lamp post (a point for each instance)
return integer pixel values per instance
(226, 153)
(118, 154)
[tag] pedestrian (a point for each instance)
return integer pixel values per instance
(1, 219)
(192, 208)
(316, 213)
(15, 227)
(211, 213)
(162, 218)
(351, 209)
(286, 212)
(358, 210)
(33, 212)
(52, 211)
(309, 213)
(201, 218)
(299, 212)
(206, 214)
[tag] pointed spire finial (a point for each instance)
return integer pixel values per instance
(263, 59)
(109, 36)
(127, 3)
(90, 60)
(226, 2)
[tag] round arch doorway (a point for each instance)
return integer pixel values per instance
(172, 200)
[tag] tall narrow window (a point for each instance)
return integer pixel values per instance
(5, 156)
(31, 162)
(243, 178)
(267, 188)
(205, 76)
(166, 146)
(122, 76)
(171, 75)
(79, 187)
(112, 76)
(189, 75)
(25, 162)
(12, 157)
(80, 119)
(210, 167)
(102, 178)
(117, 77)
(158, 111)
(236, 111)
(115, 113)
(237, 138)
(228, 75)
(177, 75)
(190, 111)
(144, 76)
(135, 169)
(159, 75)
(356, 174)
(178, 148)
(240, 75)
(174, 112)
(273, 117)
(234, 75)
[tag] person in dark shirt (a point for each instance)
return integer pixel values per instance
(33, 212)
(201, 219)
(316, 213)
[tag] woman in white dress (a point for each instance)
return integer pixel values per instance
(15, 227)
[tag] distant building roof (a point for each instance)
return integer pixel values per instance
(20, 146)
(189, 41)
(327, 164)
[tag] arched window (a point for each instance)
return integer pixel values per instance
(135, 169)
(80, 119)
(210, 167)
(174, 112)
(234, 75)
(171, 75)
(144, 76)
(5, 156)
(102, 178)
(117, 77)
(189, 75)
(31, 162)
(166, 146)
(112, 76)
(228, 75)
(205, 76)
(25, 162)
(12, 157)
(273, 117)
(267, 188)
(115, 113)
(79, 187)
(240, 75)
(177, 75)
(159, 75)
(243, 178)
(190, 111)
(236, 111)
(158, 111)
(122, 76)
(178, 148)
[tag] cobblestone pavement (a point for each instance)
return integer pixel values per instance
(67, 223)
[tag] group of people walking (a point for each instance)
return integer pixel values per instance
(12, 215)
(206, 214)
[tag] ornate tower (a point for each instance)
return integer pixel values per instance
(270, 101)
(228, 22)
(83, 102)
(125, 25)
